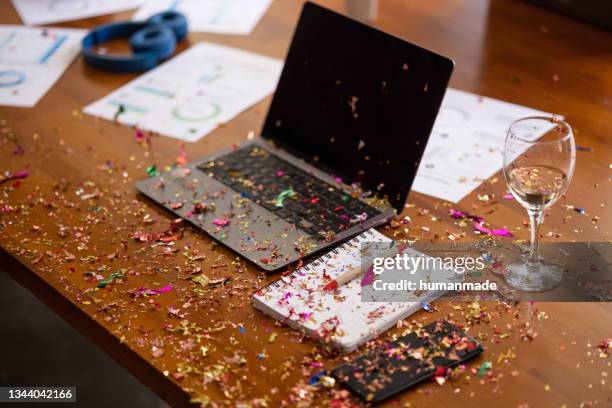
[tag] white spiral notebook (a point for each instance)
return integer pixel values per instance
(340, 317)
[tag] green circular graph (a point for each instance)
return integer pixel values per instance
(193, 113)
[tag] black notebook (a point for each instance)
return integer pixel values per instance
(415, 357)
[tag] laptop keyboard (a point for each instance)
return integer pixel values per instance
(290, 193)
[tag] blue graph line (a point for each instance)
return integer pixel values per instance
(53, 48)
(7, 40)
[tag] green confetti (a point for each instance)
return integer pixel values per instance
(152, 171)
(284, 195)
(484, 367)
(111, 277)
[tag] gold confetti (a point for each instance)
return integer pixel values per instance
(201, 279)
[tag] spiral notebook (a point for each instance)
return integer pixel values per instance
(339, 317)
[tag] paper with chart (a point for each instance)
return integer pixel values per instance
(193, 93)
(35, 12)
(212, 16)
(32, 60)
(466, 144)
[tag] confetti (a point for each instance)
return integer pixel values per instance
(484, 368)
(221, 222)
(283, 196)
(152, 171)
(15, 176)
(605, 345)
(220, 281)
(197, 333)
(368, 277)
(440, 375)
(201, 279)
(479, 224)
(151, 292)
(181, 158)
(109, 279)
(501, 232)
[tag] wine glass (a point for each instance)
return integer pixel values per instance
(539, 158)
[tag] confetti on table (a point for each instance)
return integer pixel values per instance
(110, 278)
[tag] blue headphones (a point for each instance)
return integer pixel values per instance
(151, 42)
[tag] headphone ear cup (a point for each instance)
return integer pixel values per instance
(157, 39)
(175, 20)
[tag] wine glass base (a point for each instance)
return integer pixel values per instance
(538, 277)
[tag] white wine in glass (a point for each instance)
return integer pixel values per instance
(539, 159)
(537, 186)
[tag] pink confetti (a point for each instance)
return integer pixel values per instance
(164, 289)
(181, 158)
(305, 315)
(280, 173)
(508, 197)
(221, 222)
(457, 214)
(461, 214)
(479, 224)
(502, 232)
(151, 292)
(15, 176)
(142, 138)
(139, 135)
(6, 209)
(368, 277)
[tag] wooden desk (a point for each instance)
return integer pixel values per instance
(504, 49)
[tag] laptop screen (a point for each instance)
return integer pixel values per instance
(356, 102)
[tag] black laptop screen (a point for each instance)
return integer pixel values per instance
(357, 102)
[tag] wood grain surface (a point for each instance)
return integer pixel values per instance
(203, 343)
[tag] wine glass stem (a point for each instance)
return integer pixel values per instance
(535, 219)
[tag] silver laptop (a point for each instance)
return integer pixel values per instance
(338, 152)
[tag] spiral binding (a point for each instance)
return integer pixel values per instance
(287, 279)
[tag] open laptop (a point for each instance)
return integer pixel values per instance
(338, 152)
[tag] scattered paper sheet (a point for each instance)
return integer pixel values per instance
(467, 144)
(193, 93)
(32, 60)
(213, 16)
(35, 12)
